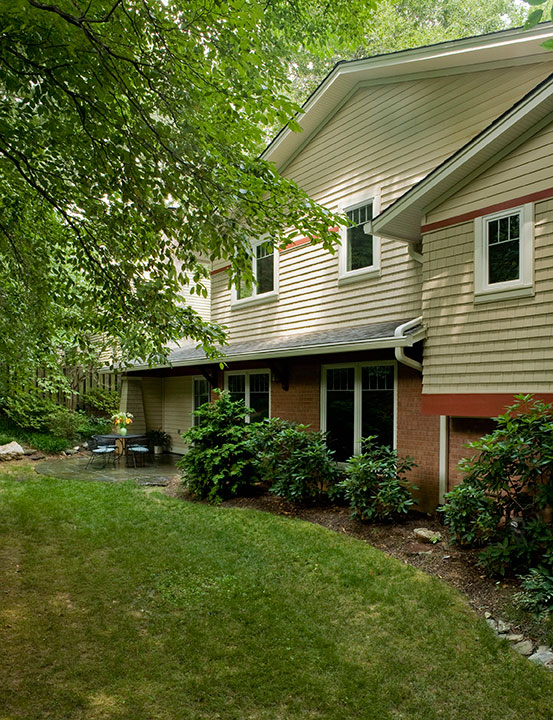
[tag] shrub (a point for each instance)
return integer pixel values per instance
(537, 591)
(375, 485)
(29, 409)
(99, 401)
(89, 425)
(220, 461)
(471, 515)
(512, 474)
(296, 461)
(62, 423)
(45, 442)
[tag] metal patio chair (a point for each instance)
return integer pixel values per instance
(137, 447)
(101, 447)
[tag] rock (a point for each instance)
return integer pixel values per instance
(514, 637)
(502, 627)
(487, 615)
(29, 451)
(84, 446)
(38, 456)
(76, 448)
(12, 448)
(426, 535)
(524, 647)
(543, 656)
(71, 452)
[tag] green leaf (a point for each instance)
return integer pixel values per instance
(533, 19)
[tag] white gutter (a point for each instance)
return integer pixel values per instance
(399, 351)
(398, 342)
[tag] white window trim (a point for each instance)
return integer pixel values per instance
(258, 299)
(372, 271)
(523, 286)
(248, 373)
(194, 378)
(357, 366)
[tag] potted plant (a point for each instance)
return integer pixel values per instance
(160, 441)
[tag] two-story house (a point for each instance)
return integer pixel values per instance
(436, 307)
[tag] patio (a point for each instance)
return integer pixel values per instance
(160, 473)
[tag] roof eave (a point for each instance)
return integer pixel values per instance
(402, 220)
(345, 76)
(319, 349)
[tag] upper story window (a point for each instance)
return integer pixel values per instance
(265, 276)
(503, 255)
(360, 251)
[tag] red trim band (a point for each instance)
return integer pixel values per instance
(220, 270)
(532, 197)
(472, 404)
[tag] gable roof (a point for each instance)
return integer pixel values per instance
(402, 219)
(455, 56)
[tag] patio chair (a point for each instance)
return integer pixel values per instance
(101, 447)
(137, 447)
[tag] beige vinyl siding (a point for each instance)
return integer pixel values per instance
(526, 170)
(132, 401)
(152, 393)
(385, 138)
(505, 346)
(177, 409)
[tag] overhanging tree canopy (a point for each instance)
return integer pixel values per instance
(129, 133)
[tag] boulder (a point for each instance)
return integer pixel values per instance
(11, 451)
(543, 656)
(426, 535)
(524, 647)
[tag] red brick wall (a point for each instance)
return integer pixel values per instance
(302, 401)
(418, 436)
(461, 432)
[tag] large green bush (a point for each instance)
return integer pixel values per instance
(471, 515)
(510, 478)
(99, 401)
(294, 460)
(220, 460)
(375, 484)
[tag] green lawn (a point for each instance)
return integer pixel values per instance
(115, 603)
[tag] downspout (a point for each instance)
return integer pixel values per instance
(414, 254)
(399, 351)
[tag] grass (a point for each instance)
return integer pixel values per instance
(118, 604)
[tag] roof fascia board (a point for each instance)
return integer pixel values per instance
(492, 133)
(320, 349)
(409, 57)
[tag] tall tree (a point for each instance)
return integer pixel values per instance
(129, 132)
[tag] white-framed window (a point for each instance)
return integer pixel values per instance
(358, 400)
(359, 254)
(201, 395)
(254, 388)
(503, 254)
(264, 287)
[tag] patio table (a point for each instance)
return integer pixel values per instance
(120, 442)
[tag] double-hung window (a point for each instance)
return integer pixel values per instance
(201, 395)
(358, 400)
(264, 285)
(359, 254)
(254, 388)
(503, 254)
